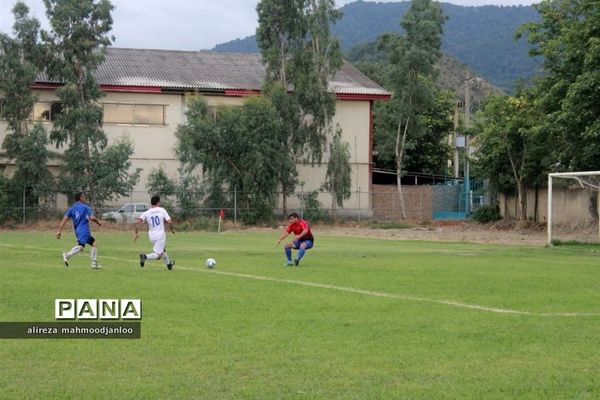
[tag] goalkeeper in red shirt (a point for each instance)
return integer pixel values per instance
(303, 239)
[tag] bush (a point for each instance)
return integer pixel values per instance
(256, 217)
(485, 214)
(4, 198)
(201, 223)
(313, 211)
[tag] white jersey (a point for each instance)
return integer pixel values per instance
(155, 217)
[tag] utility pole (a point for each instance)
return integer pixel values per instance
(467, 126)
(453, 143)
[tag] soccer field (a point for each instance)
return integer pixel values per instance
(359, 319)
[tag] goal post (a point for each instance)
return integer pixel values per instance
(588, 180)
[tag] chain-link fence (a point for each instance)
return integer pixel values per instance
(383, 203)
(21, 206)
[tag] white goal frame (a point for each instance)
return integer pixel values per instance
(567, 175)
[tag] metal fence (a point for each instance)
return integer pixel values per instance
(382, 204)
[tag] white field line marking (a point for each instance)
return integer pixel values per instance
(452, 303)
(395, 296)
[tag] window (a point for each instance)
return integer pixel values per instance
(141, 114)
(141, 207)
(55, 110)
(212, 112)
(41, 111)
(46, 111)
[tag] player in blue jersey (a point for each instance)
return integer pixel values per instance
(81, 214)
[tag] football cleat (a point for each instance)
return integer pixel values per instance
(142, 260)
(66, 259)
(170, 265)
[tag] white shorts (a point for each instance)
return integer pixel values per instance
(158, 245)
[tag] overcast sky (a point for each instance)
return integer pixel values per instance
(187, 24)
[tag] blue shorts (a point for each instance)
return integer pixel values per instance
(309, 243)
(85, 239)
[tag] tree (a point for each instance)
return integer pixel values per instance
(19, 67)
(568, 93)
(511, 152)
(20, 63)
(413, 57)
(338, 179)
(280, 31)
(159, 183)
(427, 152)
(5, 202)
(237, 151)
(288, 117)
(316, 62)
(76, 47)
(300, 56)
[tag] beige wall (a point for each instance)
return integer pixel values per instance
(354, 119)
(154, 145)
(571, 206)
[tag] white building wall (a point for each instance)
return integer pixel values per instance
(154, 145)
(353, 117)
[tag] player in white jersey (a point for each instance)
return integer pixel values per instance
(156, 217)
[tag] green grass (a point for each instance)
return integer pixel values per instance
(390, 225)
(360, 319)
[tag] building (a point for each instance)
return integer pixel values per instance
(145, 101)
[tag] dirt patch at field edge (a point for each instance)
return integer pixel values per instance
(448, 234)
(454, 231)
(450, 231)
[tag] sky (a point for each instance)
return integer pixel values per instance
(187, 24)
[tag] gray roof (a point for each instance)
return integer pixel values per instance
(205, 70)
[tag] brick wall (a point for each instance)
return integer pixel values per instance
(418, 202)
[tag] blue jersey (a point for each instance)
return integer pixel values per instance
(80, 214)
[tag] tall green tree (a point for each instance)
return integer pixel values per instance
(412, 80)
(338, 179)
(5, 203)
(301, 56)
(289, 119)
(237, 151)
(76, 47)
(19, 67)
(427, 153)
(511, 151)
(159, 183)
(568, 93)
(20, 63)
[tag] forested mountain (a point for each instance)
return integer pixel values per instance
(481, 37)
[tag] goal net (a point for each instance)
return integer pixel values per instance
(573, 207)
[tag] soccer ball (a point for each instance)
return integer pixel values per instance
(211, 263)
